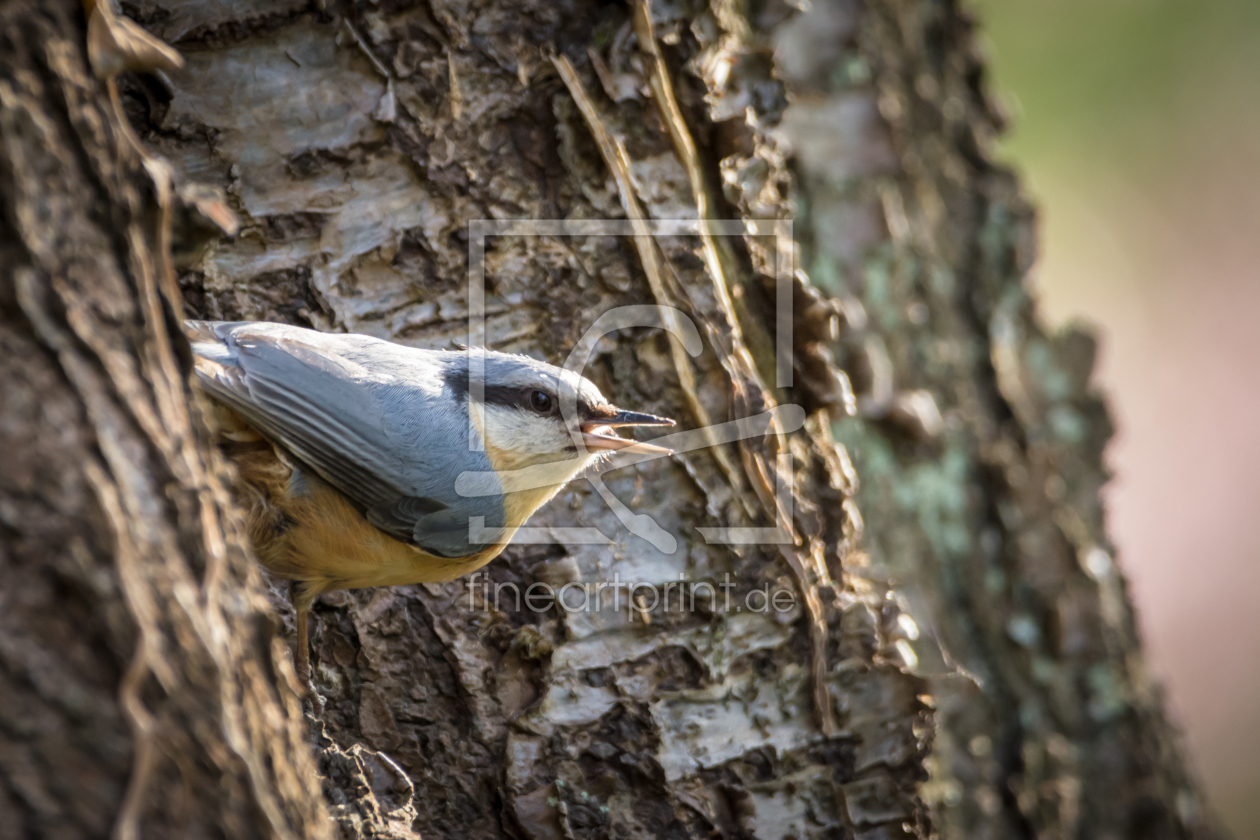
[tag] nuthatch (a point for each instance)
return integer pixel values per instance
(350, 448)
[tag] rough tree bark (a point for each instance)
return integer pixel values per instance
(961, 658)
(137, 661)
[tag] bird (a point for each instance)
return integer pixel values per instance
(349, 450)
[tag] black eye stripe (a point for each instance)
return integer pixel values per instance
(506, 396)
(523, 398)
(512, 396)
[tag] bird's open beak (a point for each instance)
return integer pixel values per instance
(599, 434)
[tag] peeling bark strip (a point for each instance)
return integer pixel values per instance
(141, 688)
(137, 691)
(749, 392)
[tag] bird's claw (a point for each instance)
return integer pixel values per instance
(317, 700)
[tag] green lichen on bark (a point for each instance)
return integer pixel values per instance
(990, 521)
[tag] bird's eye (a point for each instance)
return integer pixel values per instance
(541, 402)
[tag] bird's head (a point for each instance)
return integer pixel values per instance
(530, 413)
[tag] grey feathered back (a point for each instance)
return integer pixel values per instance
(380, 422)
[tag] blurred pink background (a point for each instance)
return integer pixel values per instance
(1137, 128)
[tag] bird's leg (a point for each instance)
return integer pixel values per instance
(301, 594)
(303, 645)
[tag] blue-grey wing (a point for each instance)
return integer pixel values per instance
(327, 409)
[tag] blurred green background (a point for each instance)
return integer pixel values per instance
(1136, 126)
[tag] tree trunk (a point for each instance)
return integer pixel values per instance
(138, 690)
(959, 657)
